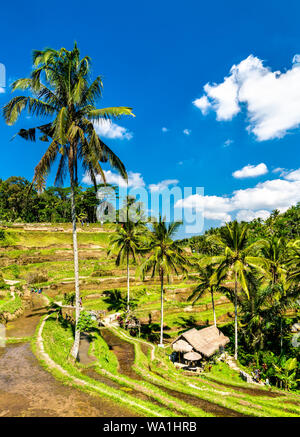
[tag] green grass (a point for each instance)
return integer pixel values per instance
(58, 340)
(10, 305)
(106, 358)
(235, 399)
(108, 368)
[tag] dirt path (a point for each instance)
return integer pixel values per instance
(28, 390)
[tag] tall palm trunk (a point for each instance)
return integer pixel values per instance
(75, 348)
(281, 342)
(213, 305)
(235, 319)
(128, 278)
(162, 308)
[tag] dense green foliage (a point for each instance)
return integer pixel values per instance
(257, 267)
(53, 205)
(285, 225)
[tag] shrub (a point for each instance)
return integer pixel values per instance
(15, 271)
(86, 323)
(69, 298)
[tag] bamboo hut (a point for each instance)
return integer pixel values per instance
(205, 342)
(182, 346)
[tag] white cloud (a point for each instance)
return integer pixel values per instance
(246, 215)
(187, 132)
(249, 203)
(163, 185)
(278, 170)
(228, 142)
(2, 90)
(213, 207)
(203, 104)
(135, 180)
(250, 171)
(272, 99)
(292, 175)
(109, 129)
(165, 129)
(224, 97)
(271, 194)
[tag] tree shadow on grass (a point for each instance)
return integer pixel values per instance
(151, 332)
(190, 322)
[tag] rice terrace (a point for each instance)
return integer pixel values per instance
(149, 254)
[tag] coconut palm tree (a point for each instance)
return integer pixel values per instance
(292, 261)
(166, 257)
(207, 281)
(126, 242)
(235, 261)
(62, 93)
(274, 251)
(267, 305)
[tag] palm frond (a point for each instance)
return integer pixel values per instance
(108, 113)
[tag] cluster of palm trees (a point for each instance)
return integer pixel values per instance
(260, 278)
(162, 255)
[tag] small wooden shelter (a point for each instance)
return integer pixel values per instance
(192, 357)
(182, 346)
(196, 344)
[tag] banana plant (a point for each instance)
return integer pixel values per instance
(286, 372)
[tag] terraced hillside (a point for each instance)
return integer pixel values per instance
(124, 374)
(41, 255)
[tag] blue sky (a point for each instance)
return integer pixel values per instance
(156, 57)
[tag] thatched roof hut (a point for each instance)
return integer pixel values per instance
(206, 341)
(192, 356)
(182, 346)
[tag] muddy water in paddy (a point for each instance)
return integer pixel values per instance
(26, 389)
(86, 359)
(145, 348)
(124, 351)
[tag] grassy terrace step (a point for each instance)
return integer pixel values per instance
(235, 399)
(161, 379)
(189, 398)
(107, 365)
(10, 305)
(57, 342)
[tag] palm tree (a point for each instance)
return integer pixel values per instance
(260, 313)
(166, 257)
(208, 281)
(126, 241)
(292, 261)
(274, 251)
(235, 262)
(61, 90)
